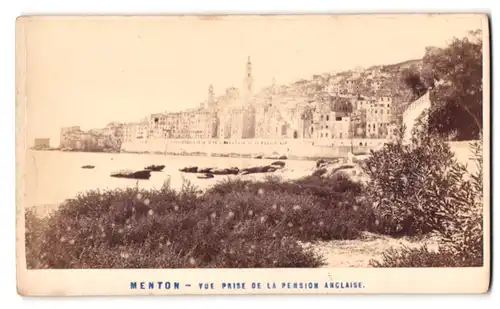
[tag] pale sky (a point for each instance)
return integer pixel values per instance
(91, 71)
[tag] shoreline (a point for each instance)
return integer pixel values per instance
(215, 155)
(285, 174)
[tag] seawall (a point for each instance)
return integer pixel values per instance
(291, 148)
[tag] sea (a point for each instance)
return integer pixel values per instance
(50, 177)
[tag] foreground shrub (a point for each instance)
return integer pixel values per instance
(33, 233)
(418, 187)
(423, 257)
(316, 208)
(414, 257)
(167, 229)
(462, 216)
(421, 188)
(407, 182)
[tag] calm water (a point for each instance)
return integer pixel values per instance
(52, 176)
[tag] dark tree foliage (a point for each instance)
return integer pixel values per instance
(411, 78)
(455, 75)
(342, 105)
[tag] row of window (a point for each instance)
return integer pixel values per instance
(332, 135)
(342, 143)
(231, 142)
(383, 124)
(327, 117)
(326, 127)
(374, 111)
(362, 104)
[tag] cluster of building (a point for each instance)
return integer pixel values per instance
(318, 111)
(326, 107)
(108, 138)
(41, 143)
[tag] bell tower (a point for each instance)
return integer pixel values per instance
(210, 98)
(248, 78)
(273, 86)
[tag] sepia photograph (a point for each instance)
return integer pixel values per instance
(311, 142)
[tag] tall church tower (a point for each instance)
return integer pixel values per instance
(246, 116)
(248, 79)
(210, 98)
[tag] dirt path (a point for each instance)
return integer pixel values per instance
(359, 252)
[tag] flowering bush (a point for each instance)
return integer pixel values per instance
(317, 208)
(168, 229)
(234, 224)
(34, 230)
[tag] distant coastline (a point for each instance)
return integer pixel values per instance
(45, 149)
(75, 150)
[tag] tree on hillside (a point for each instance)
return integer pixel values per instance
(342, 106)
(410, 78)
(455, 75)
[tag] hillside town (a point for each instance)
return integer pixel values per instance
(361, 104)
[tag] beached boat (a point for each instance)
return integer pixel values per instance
(206, 176)
(143, 174)
(155, 168)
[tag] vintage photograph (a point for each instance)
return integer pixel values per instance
(328, 141)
